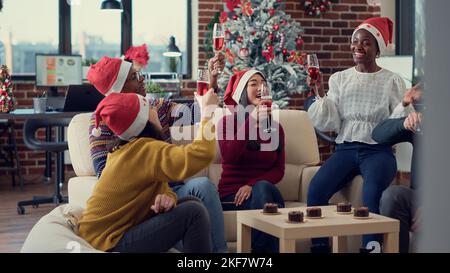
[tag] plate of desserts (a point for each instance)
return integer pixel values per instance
(296, 217)
(361, 213)
(270, 209)
(314, 213)
(344, 208)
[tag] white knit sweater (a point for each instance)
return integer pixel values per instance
(356, 102)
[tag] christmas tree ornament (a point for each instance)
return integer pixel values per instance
(276, 27)
(243, 52)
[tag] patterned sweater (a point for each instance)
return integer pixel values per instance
(134, 175)
(244, 166)
(356, 102)
(168, 113)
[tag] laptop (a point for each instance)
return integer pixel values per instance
(82, 98)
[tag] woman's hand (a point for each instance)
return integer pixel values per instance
(412, 95)
(242, 194)
(208, 103)
(413, 121)
(163, 203)
(215, 64)
(316, 84)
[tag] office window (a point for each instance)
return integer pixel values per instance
(27, 27)
(153, 23)
(95, 32)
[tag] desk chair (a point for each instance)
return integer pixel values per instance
(9, 155)
(58, 147)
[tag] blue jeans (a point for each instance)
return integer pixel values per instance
(262, 192)
(187, 222)
(375, 163)
(206, 191)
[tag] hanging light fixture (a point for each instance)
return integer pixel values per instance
(112, 5)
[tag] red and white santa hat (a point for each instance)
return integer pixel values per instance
(382, 29)
(236, 86)
(109, 75)
(125, 114)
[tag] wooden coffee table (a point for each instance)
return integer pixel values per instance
(331, 225)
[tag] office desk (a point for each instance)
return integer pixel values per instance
(24, 114)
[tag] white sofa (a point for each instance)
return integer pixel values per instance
(302, 158)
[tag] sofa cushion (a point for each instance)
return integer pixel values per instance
(78, 141)
(301, 142)
(57, 232)
(80, 189)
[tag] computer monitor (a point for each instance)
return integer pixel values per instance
(53, 70)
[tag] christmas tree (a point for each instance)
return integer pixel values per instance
(260, 35)
(7, 100)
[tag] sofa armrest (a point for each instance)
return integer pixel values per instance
(307, 174)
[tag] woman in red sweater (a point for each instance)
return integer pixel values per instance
(252, 160)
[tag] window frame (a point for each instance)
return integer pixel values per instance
(126, 39)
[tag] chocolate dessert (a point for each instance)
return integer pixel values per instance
(314, 212)
(344, 207)
(270, 208)
(295, 216)
(361, 212)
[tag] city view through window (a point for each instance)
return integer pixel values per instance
(95, 32)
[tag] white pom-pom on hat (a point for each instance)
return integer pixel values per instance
(96, 132)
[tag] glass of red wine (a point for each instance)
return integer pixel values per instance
(218, 39)
(202, 81)
(313, 69)
(266, 100)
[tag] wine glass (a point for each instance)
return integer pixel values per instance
(202, 81)
(218, 39)
(266, 99)
(313, 69)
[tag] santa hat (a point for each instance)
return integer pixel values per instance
(109, 75)
(138, 54)
(236, 86)
(125, 114)
(382, 29)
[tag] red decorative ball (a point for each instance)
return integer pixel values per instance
(239, 39)
(270, 36)
(299, 43)
(270, 48)
(271, 11)
(276, 27)
(243, 52)
(284, 51)
(234, 17)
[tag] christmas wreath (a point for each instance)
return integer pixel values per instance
(316, 7)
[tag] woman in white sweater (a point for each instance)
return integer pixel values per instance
(357, 100)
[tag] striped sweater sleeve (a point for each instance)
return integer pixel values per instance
(99, 145)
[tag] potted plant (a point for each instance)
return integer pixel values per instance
(154, 90)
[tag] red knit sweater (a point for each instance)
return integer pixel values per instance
(241, 166)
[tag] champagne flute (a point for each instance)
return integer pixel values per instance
(266, 99)
(218, 39)
(313, 69)
(202, 81)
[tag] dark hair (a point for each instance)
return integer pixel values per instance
(149, 131)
